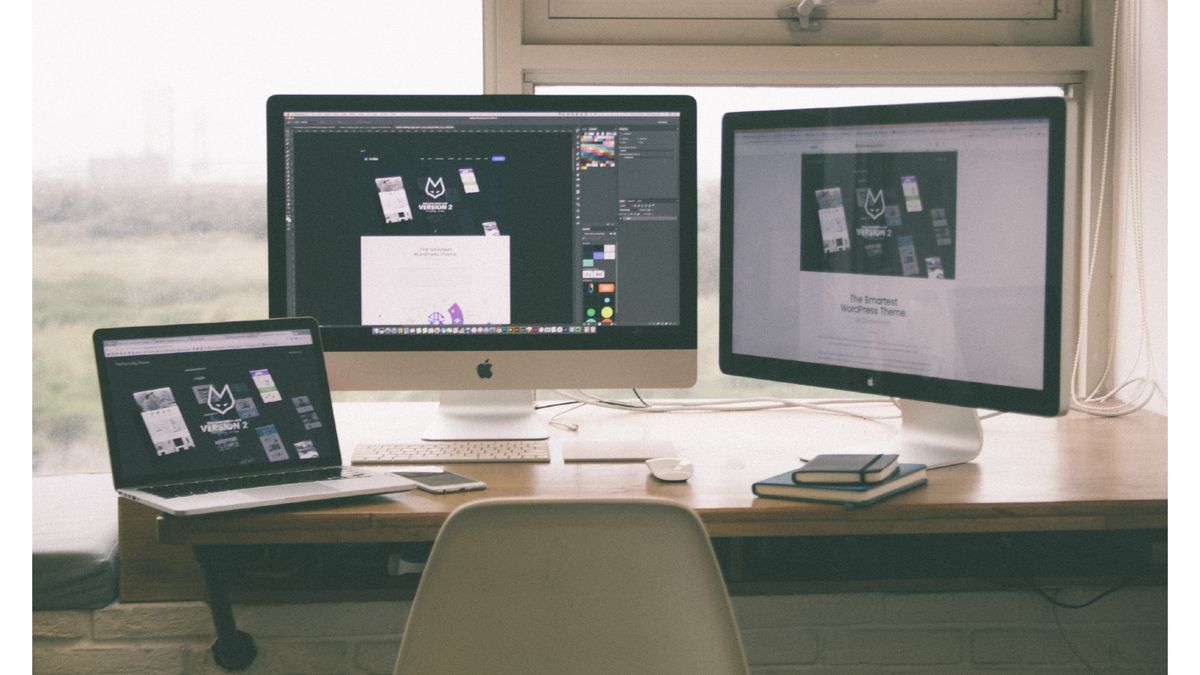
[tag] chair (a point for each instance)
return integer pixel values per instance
(571, 586)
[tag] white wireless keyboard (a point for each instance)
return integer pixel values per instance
(438, 452)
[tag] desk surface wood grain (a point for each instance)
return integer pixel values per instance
(1070, 473)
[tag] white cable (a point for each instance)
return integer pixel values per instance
(731, 405)
(1149, 387)
(569, 426)
(1081, 339)
(1146, 385)
(1107, 403)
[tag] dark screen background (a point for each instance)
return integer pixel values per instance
(937, 180)
(296, 376)
(528, 195)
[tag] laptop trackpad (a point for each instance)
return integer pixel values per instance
(283, 491)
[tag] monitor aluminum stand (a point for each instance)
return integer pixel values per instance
(498, 414)
(935, 434)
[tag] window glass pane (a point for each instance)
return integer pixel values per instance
(711, 104)
(149, 162)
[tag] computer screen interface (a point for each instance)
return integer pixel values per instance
(910, 251)
(447, 229)
(183, 405)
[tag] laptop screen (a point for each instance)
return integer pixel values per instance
(201, 401)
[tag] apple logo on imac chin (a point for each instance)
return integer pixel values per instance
(484, 370)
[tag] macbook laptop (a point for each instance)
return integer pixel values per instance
(215, 417)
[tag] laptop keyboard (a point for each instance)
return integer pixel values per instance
(243, 482)
(436, 452)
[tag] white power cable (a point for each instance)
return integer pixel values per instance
(1106, 403)
(827, 406)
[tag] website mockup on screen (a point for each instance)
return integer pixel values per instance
(487, 222)
(909, 248)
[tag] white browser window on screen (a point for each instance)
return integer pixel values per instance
(943, 258)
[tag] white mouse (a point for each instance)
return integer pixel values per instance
(670, 469)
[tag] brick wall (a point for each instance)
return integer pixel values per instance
(994, 632)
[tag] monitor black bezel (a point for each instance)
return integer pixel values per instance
(359, 338)
(1048, 400)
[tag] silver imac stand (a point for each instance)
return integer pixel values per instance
(475, 415)
(936, 435)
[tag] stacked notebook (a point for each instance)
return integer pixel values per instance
(849, 480)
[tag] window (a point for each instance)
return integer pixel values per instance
(1065, 44)
(149, 163)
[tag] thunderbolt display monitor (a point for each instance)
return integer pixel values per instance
(487, 246)
(913, 251)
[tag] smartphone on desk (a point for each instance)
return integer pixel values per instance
(441, 482)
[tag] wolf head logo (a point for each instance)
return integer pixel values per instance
(221, 401)
(435, 188)
(874, 204)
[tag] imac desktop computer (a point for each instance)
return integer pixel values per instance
(487, 246)
(913, 251)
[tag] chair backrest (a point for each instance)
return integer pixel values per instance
(571, 586)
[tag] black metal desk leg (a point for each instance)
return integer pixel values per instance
(234, 649)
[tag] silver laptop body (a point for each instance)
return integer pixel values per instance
(203, 418)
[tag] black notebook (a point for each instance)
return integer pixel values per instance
(907, 477)
(848, 468)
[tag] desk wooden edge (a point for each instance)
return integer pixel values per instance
(784, 520)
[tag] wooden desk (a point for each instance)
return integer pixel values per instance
(1070, 474)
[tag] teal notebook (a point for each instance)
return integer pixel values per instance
(907, 477)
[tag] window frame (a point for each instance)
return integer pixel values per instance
(515, 62)
(841, 22)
